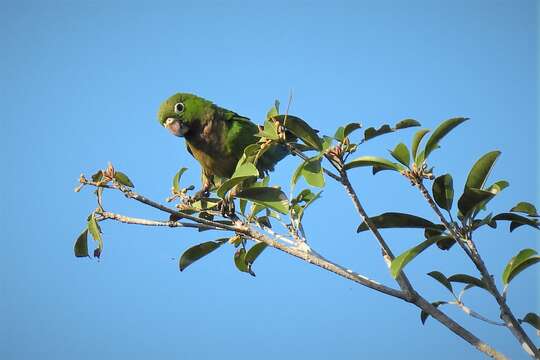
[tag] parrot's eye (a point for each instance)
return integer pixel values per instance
(179, 108)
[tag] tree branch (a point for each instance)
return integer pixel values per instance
(458, 329)
(408, 294)
(239, 228)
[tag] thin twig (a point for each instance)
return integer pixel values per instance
(457, 329)
(275, 234)
(472, 252)
(467, 310)
(138, 221)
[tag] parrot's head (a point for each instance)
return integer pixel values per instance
(181, 112)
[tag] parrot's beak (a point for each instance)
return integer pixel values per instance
(176, 127)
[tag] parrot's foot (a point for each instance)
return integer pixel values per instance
(201, 194)
(226, 207)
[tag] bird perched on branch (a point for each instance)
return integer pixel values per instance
(216, 137)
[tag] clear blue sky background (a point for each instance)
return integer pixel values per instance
(81, 85)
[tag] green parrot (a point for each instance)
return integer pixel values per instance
(216, 137)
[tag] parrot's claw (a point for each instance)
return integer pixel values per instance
(201, 194)
(226, 207)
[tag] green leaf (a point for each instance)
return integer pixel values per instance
(255, 209)
(270, 197)
(349, 128)
(302, 130)
(407, 123)
(443, 191)
(270, 130)
(399, 220)
(468, 279)
(403, 259)
(310, 201)
(488, 220)
(197, 252)
(243, 172)
(264, 221)
(81, 244)
(446, 242)
(480, 171)
(524, 259)
(297, 173)
(417, 138)
(205, 204)
(274, 110)
(471, 199)
(498, 186)
(376, 169)
(240, 261)
(370, 133)
(401, 154)
(340, 134)
(235, 240)
(437, 275)
(372, 161)
(424, 315)
(228, 185)
(313, 173)
(250, 151)
(532, 319)
(243, 204)
(526, 208)
(516, 220)
(176, 179)
(122, 179)
(304, 196)
(343, 131)
(94, 230)
(420, 158)
(327, 143)
(253, 253)
(441, 131)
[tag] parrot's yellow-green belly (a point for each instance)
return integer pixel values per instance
(215, 164)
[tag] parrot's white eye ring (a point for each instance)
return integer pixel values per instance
(179, 108)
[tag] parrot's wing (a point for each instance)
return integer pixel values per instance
(232, 116)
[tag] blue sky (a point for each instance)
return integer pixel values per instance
(82, 83)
